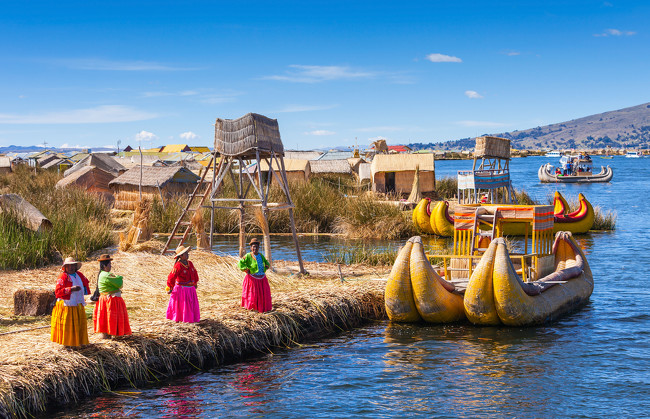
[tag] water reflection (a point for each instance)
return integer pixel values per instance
(252, 383)
(182, 401)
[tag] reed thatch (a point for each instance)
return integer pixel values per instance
(100, 160)
(246, 135)
(140, 230)
(339, 167)
(5, 164)
(31, 217)
(91, 179)
(416, 195)
(296, 170)
(395, 172)
(492, 147)
(37, 373)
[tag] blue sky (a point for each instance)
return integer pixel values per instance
(332, 72)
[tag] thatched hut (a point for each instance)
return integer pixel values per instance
(364, 171)
(156, 181)
(330, 167)
(100, 160)
(91, 179)
(395, 172)
(5, 165)
(247, 136)
(297, 170)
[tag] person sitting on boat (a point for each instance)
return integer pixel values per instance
(181, 285)
(256, 293)
(110, 317)
(558, 172)
(68, 325)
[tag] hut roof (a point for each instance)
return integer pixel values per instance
(402, 163)
(330, 166)
(155, 176)
(246, 135)
(200, 149)
(175, 148)
(290, 165)
(78, 156)
(87, 176)
(100, 160)
(336, 155)
(5, 161)
(55, 162)
(303, 155)
(45, 159)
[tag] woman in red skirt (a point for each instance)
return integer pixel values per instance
(256, 293)
(110, 317)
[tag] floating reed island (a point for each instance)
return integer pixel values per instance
(36, 374)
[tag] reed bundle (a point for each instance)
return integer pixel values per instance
(140, 230)
(37, 373)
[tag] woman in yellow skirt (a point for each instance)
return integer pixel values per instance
(69, 316)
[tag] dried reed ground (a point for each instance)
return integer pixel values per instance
(36, 373)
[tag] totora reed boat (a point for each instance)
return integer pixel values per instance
(485, 282)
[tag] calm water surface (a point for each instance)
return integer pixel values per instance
(593, 363)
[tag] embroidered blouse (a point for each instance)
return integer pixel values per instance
(181, 274)
(256, 265)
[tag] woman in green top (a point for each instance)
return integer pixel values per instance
(110, 317)
(256, 293)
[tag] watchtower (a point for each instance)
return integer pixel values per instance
(489, 180)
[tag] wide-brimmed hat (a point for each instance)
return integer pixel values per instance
(254, 241)
(105, 258)
(70, 261)
(180, 250)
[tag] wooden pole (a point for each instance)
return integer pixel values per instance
(140, 184)
(293, 224)
(265, 212)
(214, 176)
(242, 226)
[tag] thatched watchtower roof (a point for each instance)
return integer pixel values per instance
(155, 176)
(245, 136)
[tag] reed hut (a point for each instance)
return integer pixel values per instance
(394, 173)
(5, 165)
(100, 160)
(91, 179)
(330, 167)
(156, 181)
(297, 170)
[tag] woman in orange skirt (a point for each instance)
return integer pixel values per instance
(68, 324)
(110, 317)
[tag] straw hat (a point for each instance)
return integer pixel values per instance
(254, 241)
(180, 250)
(105, 258)
(70, 261)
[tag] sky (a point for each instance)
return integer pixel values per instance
(333, 73)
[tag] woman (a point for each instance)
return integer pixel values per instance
(68, 324)
(256, 293)
(110, 317)
(181, 284)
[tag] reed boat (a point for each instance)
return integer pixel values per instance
(422, 214)
(415, 291)
(546, 174)
(497, 295)
(441, 222)
(547, 278)
(577, 222)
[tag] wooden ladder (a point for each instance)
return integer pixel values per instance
(480, 215)
(184, 221)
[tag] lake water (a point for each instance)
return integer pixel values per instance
(592, 363)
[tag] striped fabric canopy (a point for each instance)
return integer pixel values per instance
(541, 216)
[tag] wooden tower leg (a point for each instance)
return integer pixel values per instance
(293, 224)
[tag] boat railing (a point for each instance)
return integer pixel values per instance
(527, 270)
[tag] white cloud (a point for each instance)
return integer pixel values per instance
(381, 128)
(320, 73)
(473, 94)
(486, 124)
(320, 132)
(97, 115)
(189, 136)
(305, 108)
(615, 32)
(110, 65)
(442, 58)
(511, 53)
(145, 136)
(66, 145)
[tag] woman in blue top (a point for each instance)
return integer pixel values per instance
(256, 293)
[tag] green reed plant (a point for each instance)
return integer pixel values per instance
(605, 221)
(446, 188)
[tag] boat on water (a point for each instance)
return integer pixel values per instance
(607, 157)
(483, 281)
(555, 154)
(574, 169)
(633, 155)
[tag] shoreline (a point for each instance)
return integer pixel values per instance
(37, 375)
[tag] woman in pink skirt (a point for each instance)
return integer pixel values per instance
(181, 284)
(256, 293)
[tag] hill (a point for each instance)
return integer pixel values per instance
(623, 128)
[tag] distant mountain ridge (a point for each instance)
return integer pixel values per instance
(35, 148)
(623, 128)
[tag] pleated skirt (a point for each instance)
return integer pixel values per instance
(256, 294)
(68, 325)
(110, 316)
(183, 305)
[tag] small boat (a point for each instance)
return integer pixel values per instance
(556, 154)
(422, 215)
(579, 221)
(441, 222)
(584, 174)
(607, 157)
(633, 155)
